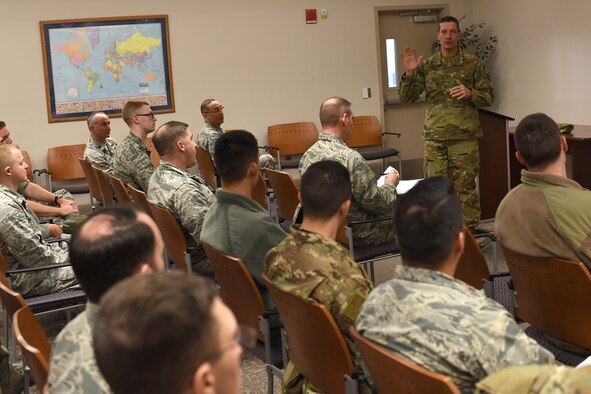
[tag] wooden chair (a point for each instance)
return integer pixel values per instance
(394, 374)
(96, 197)
(206, 167)
(242, 296)
(472, 267)
(286, 193)
(35, 346)
(368, 140)
(291, 140)
(154, 156)
(552, 295)
(140, 199)
(118, 188)
(315, 344)
(174, 239)
(107, 193)
(261, 194)
(63, 169)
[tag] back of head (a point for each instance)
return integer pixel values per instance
(427, 219)
(331, 111)
(7, 155)
(204, 105)
(234, 152)
(325, 186)
(153, 331)
(537, 138)
(109, 246)
(130, 109)
(167, 135)
(92, 117)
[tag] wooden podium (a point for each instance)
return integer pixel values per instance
(494, 161)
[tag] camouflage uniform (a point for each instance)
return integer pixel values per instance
(209, 134)
(312, 266)
(72, 367)
(452, 127)
(188, 198)
(537, 379)
(132, 163)
(22, 247)
(101, 155)
(368, 200)
(446, 326)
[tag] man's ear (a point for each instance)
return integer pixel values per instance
(563, 143)
(300, 197)
(203, 380)
(520, 158)
(460, 242)
(253, 168)
(144, 268)
(344, 209)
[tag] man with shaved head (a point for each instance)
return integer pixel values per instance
(100, 148)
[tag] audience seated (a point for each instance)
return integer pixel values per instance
(114, 243)
(186, 196)
(168, 333)
(100, 148)
(21, 240)
(236, 224)
(131, 162)
(310, 264)
(213, 114)
(428, 316)
(547, 215)
(368, 200)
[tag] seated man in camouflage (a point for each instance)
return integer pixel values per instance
(131, 162)
(310, 264)
(21, 241)
(186, 196)
(114, 243)
(426, 315)
(213, 114)
(368, 200)
(100, 148)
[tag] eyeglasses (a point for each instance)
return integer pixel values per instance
(151, 115)
(216, 110)
(246, 336)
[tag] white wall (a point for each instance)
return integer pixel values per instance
(542, 62)
(258, 57)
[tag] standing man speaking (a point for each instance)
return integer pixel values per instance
(455, 84)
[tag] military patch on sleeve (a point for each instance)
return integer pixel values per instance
(351, 307)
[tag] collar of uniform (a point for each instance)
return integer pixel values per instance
(136, 140)
(331, 137)
(538, 179)
(227, 197)
(91, 311)
(210, 126)
(456, 59)
(423, 275)
(9, 192)
(306, 236)
(171, 167)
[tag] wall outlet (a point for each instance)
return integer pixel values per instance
(365, 93)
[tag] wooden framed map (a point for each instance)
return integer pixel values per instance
(99, 64)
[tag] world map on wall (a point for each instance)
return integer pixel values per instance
(107, 62)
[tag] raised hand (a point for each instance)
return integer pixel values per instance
(409, 58)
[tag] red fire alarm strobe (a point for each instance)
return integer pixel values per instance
(311, 17)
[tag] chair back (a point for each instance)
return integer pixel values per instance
(286, 192)
(107, 192)
(154, 156)
(472, 267)
(34, 344)
(118, 188)
(11, 300)
(367, 131)
(260, 192)
(552, 295)
(172, 235)
(95, 189)
(140, 199)
(62, 162)
(239, 290)
(292, 138)
(316, 346)
(28, 161)
(206, 166)
(394, 374)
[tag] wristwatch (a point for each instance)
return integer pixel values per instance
(55, 199)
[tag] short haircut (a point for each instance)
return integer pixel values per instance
(205, 103)
(325, 186)
(109, 246)
(234, 151)
(6, 156)
(153, 331)
(332, 109)
(427, 219)
(92, 116)
(130, 108)
(2, 124)
(449, 18)
(167, 135)
(537, 138)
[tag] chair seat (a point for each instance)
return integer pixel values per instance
(375, 152)
(57, 300)
(370, 252)
(502, 293)
(562, 355)
(291, 161)
(74, 186)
